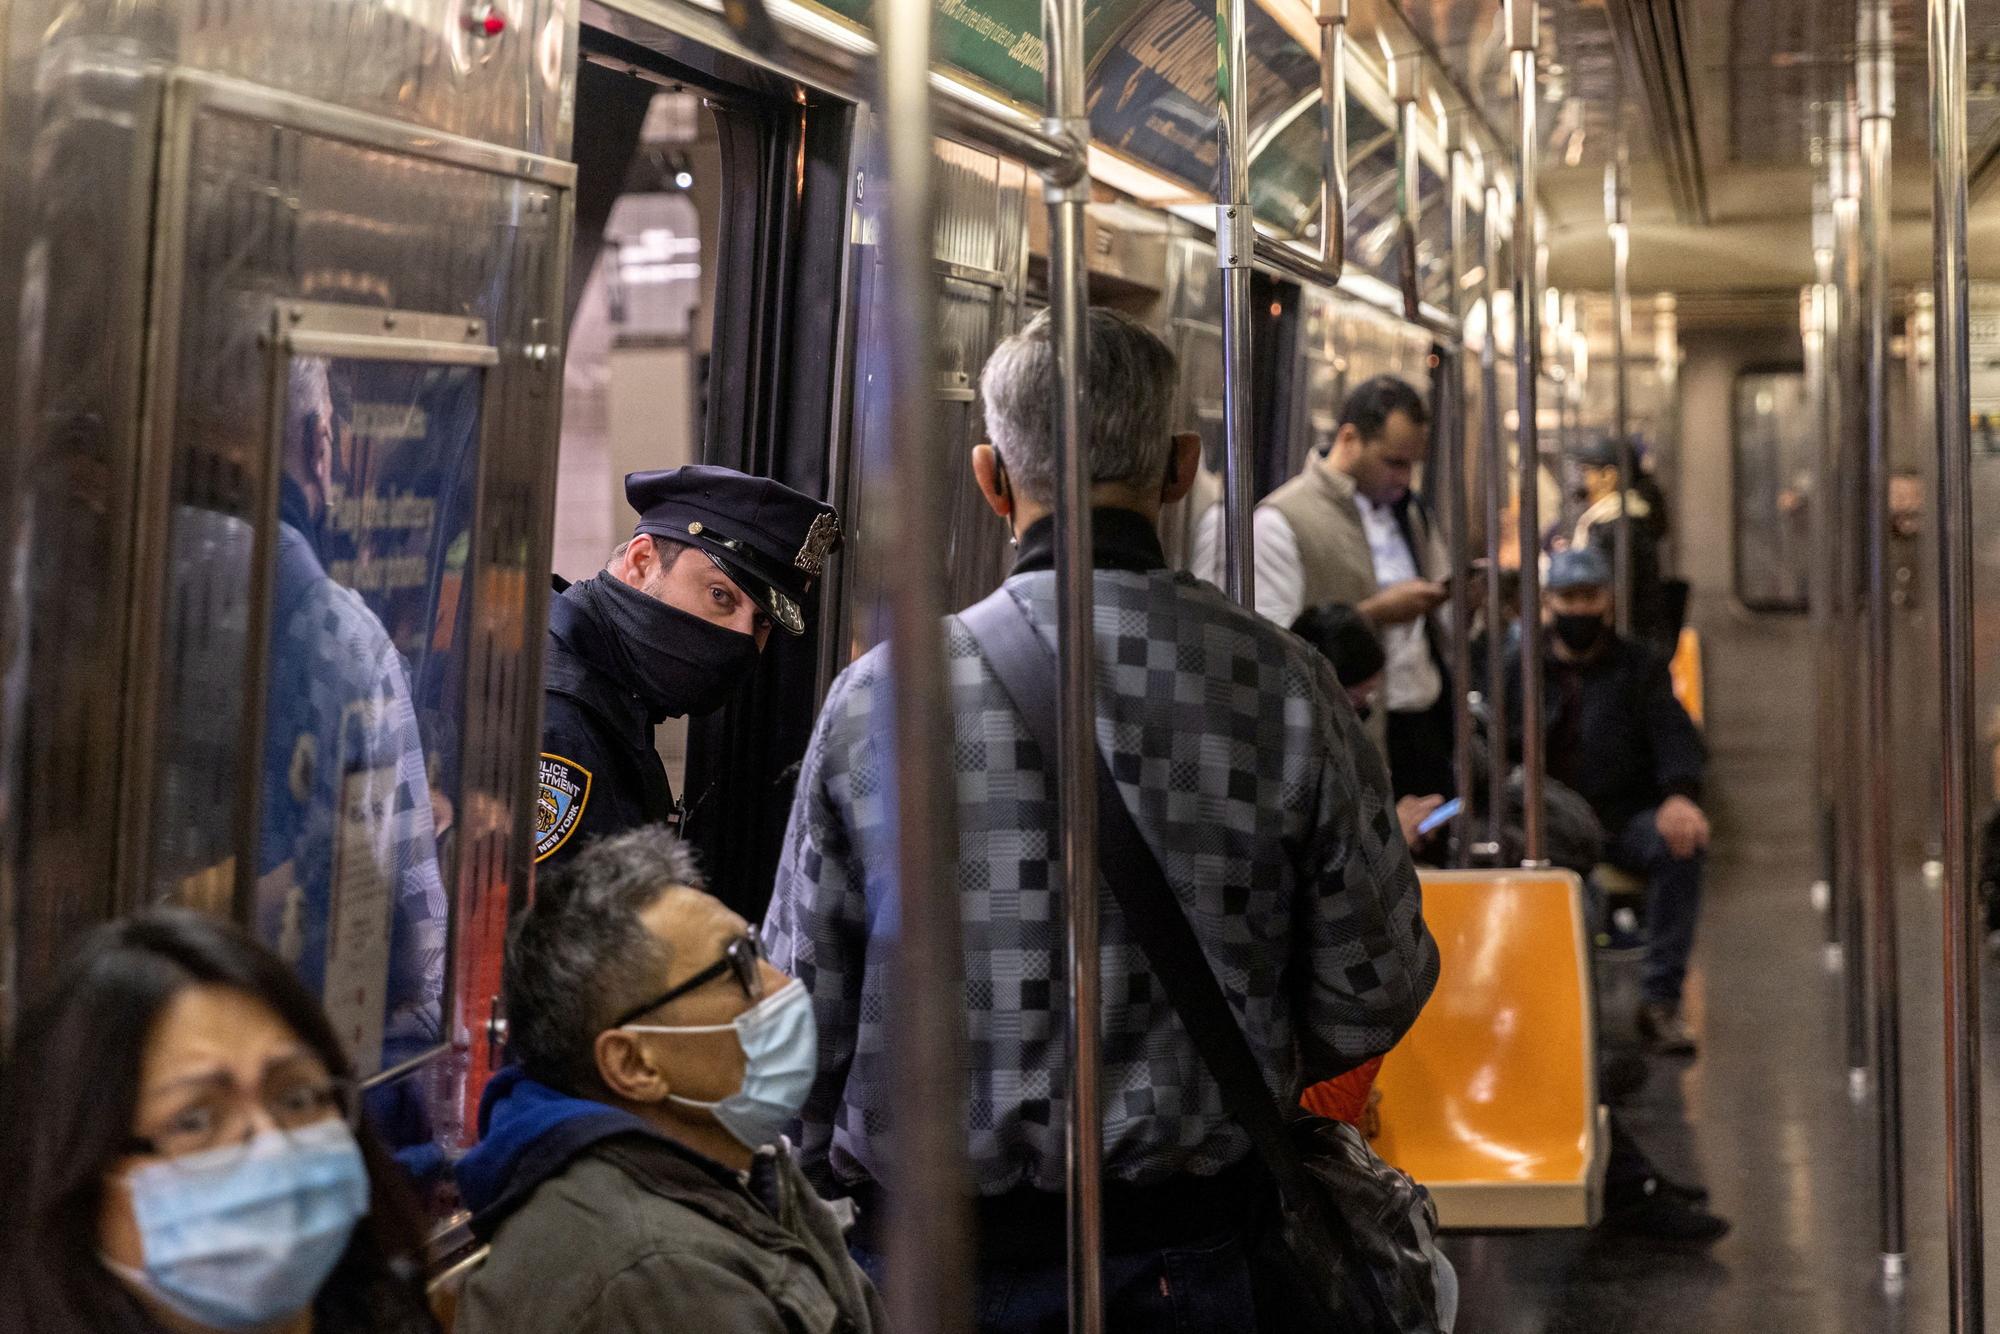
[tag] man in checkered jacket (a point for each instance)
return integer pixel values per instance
(1250, 779)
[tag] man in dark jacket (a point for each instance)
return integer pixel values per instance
(631, 1175)
(1617, 735)
(671, 626)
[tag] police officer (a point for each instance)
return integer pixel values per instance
(672, 625)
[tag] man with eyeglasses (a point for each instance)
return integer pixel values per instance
(632, 1173)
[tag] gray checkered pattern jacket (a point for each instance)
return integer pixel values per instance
(1250, 779)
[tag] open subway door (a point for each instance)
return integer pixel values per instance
(1491, 1099)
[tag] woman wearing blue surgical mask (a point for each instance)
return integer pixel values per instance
(178, 1151)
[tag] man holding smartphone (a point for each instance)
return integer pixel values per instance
(1349, 529)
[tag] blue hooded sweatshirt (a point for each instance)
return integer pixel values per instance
(529, 1132)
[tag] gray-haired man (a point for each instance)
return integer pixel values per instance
(631, 1175)
(1238, 755)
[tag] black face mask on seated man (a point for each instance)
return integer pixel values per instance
(1580, 632)
(674, 661)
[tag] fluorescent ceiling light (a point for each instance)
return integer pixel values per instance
(1141, 182)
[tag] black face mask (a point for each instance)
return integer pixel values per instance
(675, 662)
(1579, 632)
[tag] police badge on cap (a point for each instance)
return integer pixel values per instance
(771, 540)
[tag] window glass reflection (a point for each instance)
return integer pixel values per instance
(363, 689)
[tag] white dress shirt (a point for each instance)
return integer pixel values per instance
(1411, 682)
(1280, 578)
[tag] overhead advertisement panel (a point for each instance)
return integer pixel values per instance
(1153, 93)
(999, 42)
(1152, 90)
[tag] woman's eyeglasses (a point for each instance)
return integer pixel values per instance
(221, 1115)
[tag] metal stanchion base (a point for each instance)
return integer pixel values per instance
(1821, 894)
(1933, 874)
(1835, 957)
(1857, 1084)
(1895, 1268)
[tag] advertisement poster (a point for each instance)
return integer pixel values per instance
(363, 686)
(1153, 93)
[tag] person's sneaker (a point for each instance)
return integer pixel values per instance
(1686, 1192)
(1660, 1214)
(1660, 1025)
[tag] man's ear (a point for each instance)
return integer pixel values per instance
(991, 475)
(627, 1069)
(1346, 441)
(1183, 466)
(646, 558)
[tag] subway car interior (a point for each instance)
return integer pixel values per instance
(1741, 257)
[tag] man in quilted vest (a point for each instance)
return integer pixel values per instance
(1349, 530)
(1241, 761)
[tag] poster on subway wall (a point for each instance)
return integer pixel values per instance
(364, 683)
(999, 42)
(1153, 93)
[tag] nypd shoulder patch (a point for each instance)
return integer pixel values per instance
(559, 805)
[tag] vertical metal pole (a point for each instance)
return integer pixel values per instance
(1617, 213)
(1404, 69)
(1235, 245)
(1875, 82)
(1522, 35)
(1817, 321)
(931, 1254)
(1076, 715)
(1851, 372)
(1831, 593)
(1456, 501)
(1332, 18)
(1493, 470)
(1965, 1229)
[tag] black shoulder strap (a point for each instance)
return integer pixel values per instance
(1153, 913)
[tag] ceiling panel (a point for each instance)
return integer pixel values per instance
(1582, 98)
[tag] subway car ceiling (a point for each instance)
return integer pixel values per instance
(1726, 111)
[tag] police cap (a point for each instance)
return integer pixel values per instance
(773, 541)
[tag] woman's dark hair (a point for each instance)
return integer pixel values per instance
(1339, 632)
(68, 1091)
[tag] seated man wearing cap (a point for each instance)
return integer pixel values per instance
(1617, 736)
(672, 625)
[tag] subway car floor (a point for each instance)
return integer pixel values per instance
(1763, 1117)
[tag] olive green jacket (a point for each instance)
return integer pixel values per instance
(637, 1235)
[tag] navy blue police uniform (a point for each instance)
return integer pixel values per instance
(620, 661)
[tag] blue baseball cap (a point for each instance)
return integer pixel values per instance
(1577, 567)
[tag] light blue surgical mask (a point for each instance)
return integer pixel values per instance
(780, 1053)
(244, 1235)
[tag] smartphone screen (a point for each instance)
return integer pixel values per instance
(1441, 816)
